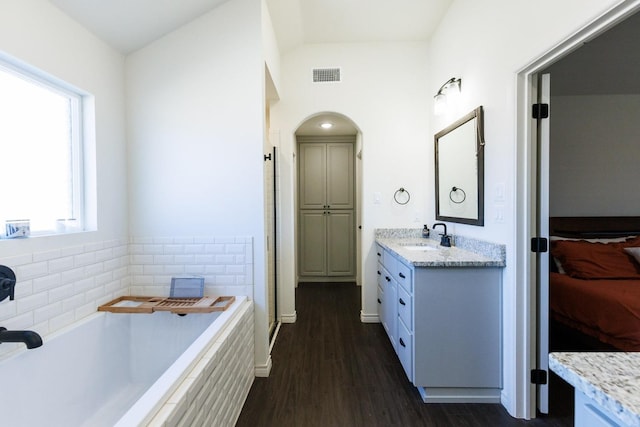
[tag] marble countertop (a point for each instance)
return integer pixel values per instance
(463, 253)
(611, 379)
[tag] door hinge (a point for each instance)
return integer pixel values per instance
(539, 244)
(540, 111)
(538, 376)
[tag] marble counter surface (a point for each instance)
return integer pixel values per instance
(464, 252)
(611, 379)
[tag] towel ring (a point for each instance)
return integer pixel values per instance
(455, 190)
(401, 191)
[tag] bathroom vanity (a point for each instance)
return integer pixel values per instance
(441, 308)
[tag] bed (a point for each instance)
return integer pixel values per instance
(594, 280)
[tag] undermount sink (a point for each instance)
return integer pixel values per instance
(419, 248)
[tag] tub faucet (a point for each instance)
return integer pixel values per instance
(445, 240)
(7, 283)
(30, 338)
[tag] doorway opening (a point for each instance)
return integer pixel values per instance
(578, 65)
(327, 201)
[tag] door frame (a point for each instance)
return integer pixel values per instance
(526, 200)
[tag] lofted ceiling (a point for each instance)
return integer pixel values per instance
(298, 22)
(128, 25)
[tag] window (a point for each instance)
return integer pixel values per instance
(41, 151)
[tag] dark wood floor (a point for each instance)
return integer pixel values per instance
(329, 369)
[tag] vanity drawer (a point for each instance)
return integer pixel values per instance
(405, 305)
(380, 275)
(384, 277)
(404, 277)
(405, 349)
(380, 254)
(391, 264)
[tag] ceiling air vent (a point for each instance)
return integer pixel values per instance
(321, 75)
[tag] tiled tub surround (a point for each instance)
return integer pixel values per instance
(608, 380)
(135, 370)
(226, 263)
(464, 252)
(58, 287)
(212, 391)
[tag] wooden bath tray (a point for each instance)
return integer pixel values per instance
(130, 304)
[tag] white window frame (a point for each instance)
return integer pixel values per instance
(78, 220)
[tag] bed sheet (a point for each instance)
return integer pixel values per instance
(606, 309)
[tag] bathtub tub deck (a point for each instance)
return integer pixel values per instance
(129, 369)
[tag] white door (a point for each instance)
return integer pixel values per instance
(542, 231)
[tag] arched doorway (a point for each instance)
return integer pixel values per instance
(327, 199)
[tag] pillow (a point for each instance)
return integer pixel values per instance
(553, 239)
(597, 260)
(634, 252)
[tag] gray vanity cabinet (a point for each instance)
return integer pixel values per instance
(457, 334)
(448, 329)
(387, 292)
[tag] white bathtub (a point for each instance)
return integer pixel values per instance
(133, 369)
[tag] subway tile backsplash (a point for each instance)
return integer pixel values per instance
(226, 263)
(59, 287)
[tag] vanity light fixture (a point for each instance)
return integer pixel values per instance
(326, 125)
(447, 93)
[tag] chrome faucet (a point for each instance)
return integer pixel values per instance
(30, 338)
(445, 240)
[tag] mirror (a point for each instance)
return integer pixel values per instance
(459, 150)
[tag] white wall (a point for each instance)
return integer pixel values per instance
(195, 101)
(37, 33)
(62, 278)
(383, 91)
(270, 47)
(486, 43)
(595, 148)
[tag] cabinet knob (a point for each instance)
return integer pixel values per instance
(379, 274)
(401, 302)
(379, 302)
(402, 275)
(402, 343)
(387, 278)
(379, 254)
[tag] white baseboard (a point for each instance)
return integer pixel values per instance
(263, 371)
(274, 337)
(459, 395)
(369, 318)
(288, 318)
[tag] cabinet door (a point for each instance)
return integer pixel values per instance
(590, 414)
(340, 182)
(457, 327)
(340, 250)
(391, 312)
(405, 349)
(313, 179)
(313, 242)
